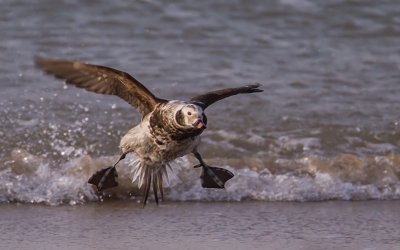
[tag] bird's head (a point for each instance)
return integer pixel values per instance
(190, 116)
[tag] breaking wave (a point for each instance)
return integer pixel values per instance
(27, 178)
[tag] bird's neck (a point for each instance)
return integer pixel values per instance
(163, 126)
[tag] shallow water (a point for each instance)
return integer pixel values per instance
(338, 225)
(325, 128)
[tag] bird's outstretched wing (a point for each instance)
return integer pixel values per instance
(206, 99)
(102, 80)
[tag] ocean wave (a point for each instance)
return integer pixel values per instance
(28, 178)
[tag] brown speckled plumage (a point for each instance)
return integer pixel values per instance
(168, 130)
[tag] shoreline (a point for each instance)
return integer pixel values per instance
(203, 225)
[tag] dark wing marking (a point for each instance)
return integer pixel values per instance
(206, 99)
(102, 80)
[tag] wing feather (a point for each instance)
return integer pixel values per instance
(102, 80)
(206, 99)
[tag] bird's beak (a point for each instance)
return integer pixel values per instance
(199, 124)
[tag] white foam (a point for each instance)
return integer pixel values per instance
(32, 179)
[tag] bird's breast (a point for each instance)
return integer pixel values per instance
(155, 144)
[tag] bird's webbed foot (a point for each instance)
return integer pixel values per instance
(106, 178)
(212, 177)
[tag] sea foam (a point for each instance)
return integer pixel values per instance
(28, 178)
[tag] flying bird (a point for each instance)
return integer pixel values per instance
(168, 129)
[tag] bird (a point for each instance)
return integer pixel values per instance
(169, 129)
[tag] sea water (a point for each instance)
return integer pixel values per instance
(326, 126)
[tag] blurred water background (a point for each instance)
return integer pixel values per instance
(326, 127)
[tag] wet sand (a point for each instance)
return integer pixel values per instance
(194, 225)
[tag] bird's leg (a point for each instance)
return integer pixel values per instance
(120, 158)
(212, 177)
(107, 177)
(198, 157)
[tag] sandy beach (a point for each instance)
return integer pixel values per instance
(193, 225)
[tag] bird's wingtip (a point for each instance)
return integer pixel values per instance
(255, 87)
(37, 59)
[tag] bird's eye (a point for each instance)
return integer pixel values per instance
(189, 113)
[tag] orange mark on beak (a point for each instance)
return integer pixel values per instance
(200, 125)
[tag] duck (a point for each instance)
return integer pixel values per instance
(169, 129)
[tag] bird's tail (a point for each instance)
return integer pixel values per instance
(146, 175)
